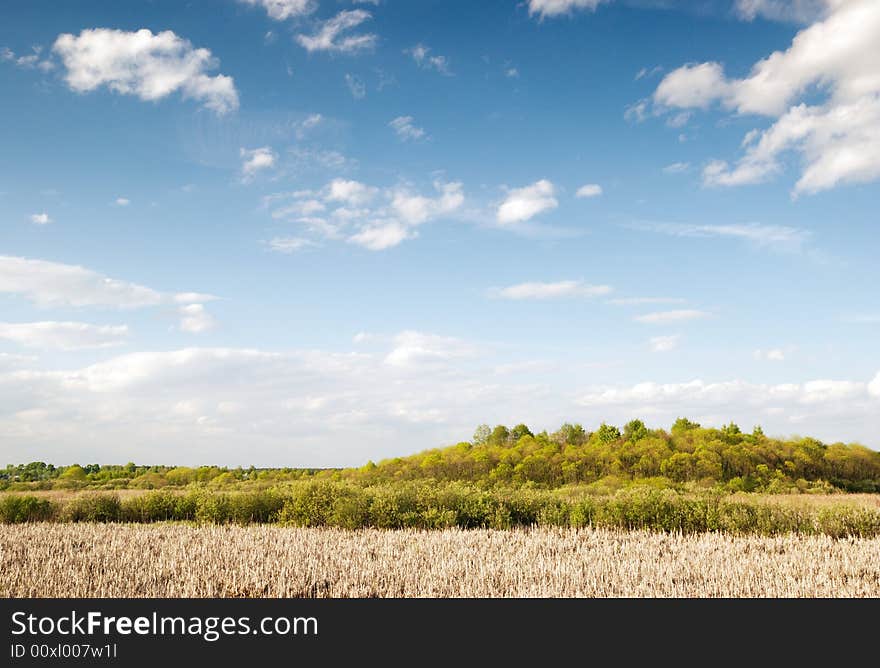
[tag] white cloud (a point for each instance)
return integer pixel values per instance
(636, 112)
(382, 235)
(253, 161)
(664, 317)
(30, 61)
(122, 201)
(798, 11)
(421, 54)
(677, 168)
(289, 244)
(553, 8)
(648, 72)
(413, 348)
(405, 129)
(589, 190)
(522, 204)
(200, 404)
(52, 284)
(698, 395)
(557, 290)
(874, 386)
(281, 10)
(375, 218)
(640, 301)
(772, 355)
(143, 64)
(663, 344)
(310, 123)
(353, 193)
(838, 139)
(417, 209)
(329, 36)
(356, 87)
(41, 218)
(776, 236)
(63, 335)
(195, 319)
(511, 73)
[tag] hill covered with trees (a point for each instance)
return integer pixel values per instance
(605, 459)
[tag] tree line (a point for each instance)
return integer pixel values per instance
(609, 457)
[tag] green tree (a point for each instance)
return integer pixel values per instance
(635, 430)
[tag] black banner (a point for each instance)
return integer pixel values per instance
(235, 632)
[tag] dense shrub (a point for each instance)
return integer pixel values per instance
(15, 509)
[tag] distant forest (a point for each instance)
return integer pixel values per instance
(605, 459)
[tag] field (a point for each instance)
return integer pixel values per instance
(174, 560)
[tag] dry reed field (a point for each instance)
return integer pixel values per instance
(176, 560)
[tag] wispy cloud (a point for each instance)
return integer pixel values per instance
(589, 190)
(664, 344)
(421, 54)
(677, 168)
(406, 129)
(642, 301)
(356, 86)
(664, 317)
(557, 290)
(63, 335)
(289, 245)
(780, 237)
(332, 34)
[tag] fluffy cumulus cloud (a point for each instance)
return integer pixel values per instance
(838, 138)
(256, 160)
(63, 335)
(557, 290)
(281, 10)
(405, 128)
(372, 217)
(552, 8)
(334, 35)
(53, 284)
(41, 218)
(149, 66)
(523, 204)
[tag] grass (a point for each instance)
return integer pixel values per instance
(178, 560)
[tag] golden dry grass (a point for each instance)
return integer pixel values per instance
(172, 560)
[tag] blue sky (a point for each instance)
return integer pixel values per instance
(283, 232)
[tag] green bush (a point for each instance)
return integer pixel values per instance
(93, 507)
(15, 509)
